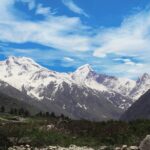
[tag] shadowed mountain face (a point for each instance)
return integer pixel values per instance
(80, 94)
(139, 110)
(12, 103)
(78, 103)
(82, 103)
(10, 97)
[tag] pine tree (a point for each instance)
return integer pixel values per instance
(47, 114)
(21, 111)
(40, 114)
(26, 113)
(2, 110)
(53, 115)
(11, 111)
(62, 116)
(15, 111)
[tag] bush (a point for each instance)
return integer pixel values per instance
(81, 133)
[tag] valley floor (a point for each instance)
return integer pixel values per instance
(52, 130)
(73, 147)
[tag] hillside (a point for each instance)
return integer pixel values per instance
(12, 103)
(140, 109)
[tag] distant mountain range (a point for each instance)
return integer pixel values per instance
(81, 94)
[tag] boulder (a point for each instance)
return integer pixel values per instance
(124, 147)
(117, 148)
(133, 148)
(27, 146)
(50, 127)
(145, 144)
(52, 148)
(103, 148)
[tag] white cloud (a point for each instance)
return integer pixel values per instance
(6, 10)
(130, 70)
(73, 7)
(68, 59)
(39, 8)
(44, 10)
(54, 31)
(128, 61)
(131, 38)
(31, 3)
(132, 63)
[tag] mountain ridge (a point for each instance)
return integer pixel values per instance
(45, 85)
(139, 110)
(83, 75)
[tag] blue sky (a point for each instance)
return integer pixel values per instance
(111, 35)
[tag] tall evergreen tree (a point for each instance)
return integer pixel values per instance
(2, 110)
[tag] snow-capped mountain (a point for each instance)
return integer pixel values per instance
(142, 85)
(56, 92)
(124, 86)
(83, 93)
(85, 75)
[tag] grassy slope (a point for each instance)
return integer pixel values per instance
(66, 132)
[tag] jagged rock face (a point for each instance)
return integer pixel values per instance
(140, 109)
(142, 85)
(56, 91)
(83, 103)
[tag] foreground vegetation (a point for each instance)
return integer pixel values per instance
(42, 130)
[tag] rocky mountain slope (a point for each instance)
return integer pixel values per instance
(12, 103)
(142, 86)
(80, 94)
(140, 109)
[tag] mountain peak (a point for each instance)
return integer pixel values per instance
(18, 65)
(22, 61)
(11, 59)
(85, 68)
(84, 72)
(145, 76)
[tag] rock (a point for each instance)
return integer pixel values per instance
(52, 148)
(145, 144)
(133, 148)
(124, 147)
(50, 127)
(117, 148)
(103, 148)
(72, 147)
(10, 148)
(27, 146)
(24, 140)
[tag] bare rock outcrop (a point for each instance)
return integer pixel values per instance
(145, 144)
